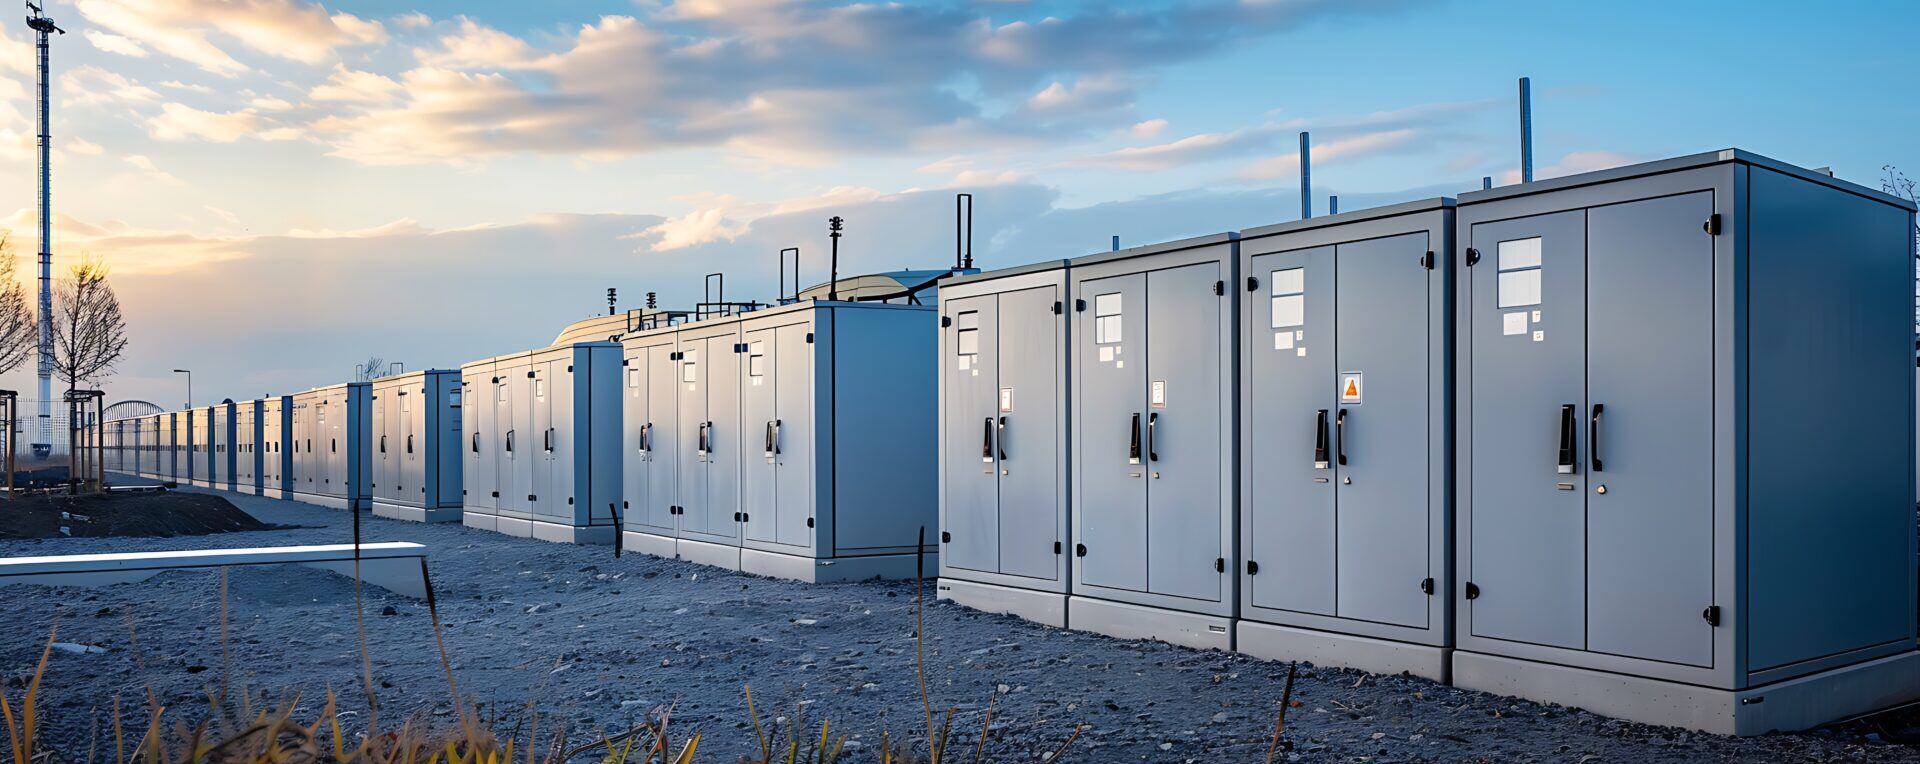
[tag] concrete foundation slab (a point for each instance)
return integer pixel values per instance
(1048, 608)
(717, 555)
(1322, 648)
(417, 514)
(1793, 704)
(647, 543)
(816, 571)
(1127, 621)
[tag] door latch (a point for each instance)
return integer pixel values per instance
(1711, 615)
(1426, 587)
(1473, 591)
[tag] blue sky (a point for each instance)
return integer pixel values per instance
(279, 183)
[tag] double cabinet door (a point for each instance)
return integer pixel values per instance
(1591, 360)
(1339, 457)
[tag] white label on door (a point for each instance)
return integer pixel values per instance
(1300, 351)
(1106, 354)
(1351, 385)
(1283, 341)
(1536, 316)
(1158, 396)
(1006, 400)
(1539, 336)
(1513, 323)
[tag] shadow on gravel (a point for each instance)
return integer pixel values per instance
(146, 513)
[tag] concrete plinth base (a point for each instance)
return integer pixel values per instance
(417, 514)
(273, 493)
(1380, 656)
(324, 500)
(1793, 704)
(1049, 608)
(485, 521)
(826, 570)
(647, 543)
(1129, 621)
(708, 553)
(555, 532)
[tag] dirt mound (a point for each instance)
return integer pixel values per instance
(145, 513)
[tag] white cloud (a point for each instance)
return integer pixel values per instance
(192, 31)
(1341, 149)
(414, 20)
(1574, 163)
(179, 122)
(269, 103)
(1193, 148)
(1149, 129)
(189, 87)
(697, 227)
(151, 172)
(84, 147)
(113, 43)
(353, 86)
(477, 46)
(229, 217)
(92, 84)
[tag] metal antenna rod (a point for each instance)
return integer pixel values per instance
(1116, 242)
(1333, 204)
(43, 26)
(1526, 130)
(834, 225)
(783, 274)
(963, 232)
(1486, 182)
(1306, 179)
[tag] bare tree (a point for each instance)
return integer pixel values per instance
(19, 334)
(372, 369)
(1895, 182)
(89, 332)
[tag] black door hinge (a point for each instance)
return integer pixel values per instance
(1253, 283)
(1219, 564)
(1426, 586)
(1253, 568)
(809, 338)
(1079, 306)
(1079, 550)
(1220, 288)
(946, 321)
(1056, 307)
(1056, 547)
(946, 537)
(1712, 615)
(1473, 592)
(1473, 257)
(736, 517)
(746, 518)
(1712, 226)
(809, 522)
(1426, 260)
(529, 375)
(626, 362)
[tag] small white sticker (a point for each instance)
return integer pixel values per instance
(1299, 334)
(758, 380)
(1539, 336)
(1158, 396)
(1006, 400)
(966, 362)
(1536, 316)
(1513, 323)
(1351, 385)
(1106, 354)
(1283, 341)
(1119, 364)
(1300, 351)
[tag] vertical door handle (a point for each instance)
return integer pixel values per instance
(333, 445)
(1568, 450)
(547, 439)
(476, 442)
(509, 441)
(1001, 440)
(769, 445)
(383, 444)
(1153, 421)
(1133, 444)
(646, 434)
(1320, 459)
(1593, 436)
(1340, 437)
(409, 444)
(776, 437)
(986, 441)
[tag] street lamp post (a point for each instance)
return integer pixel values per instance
(189, 374)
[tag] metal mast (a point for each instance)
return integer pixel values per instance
(43, 26)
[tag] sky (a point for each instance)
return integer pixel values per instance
(283, 188)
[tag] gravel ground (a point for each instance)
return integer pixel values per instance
(596, 642)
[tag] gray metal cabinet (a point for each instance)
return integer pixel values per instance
(1651, 369)
(219, 446)
(418, 453)
(710, 433)
(1003, 386)
(480, 393)
(333, 462)
(777, 420)
(546, 440)
(185, 467)
(1344, 439)
(648, 452)
(246, 446)
(276, 445)
(1153, 412)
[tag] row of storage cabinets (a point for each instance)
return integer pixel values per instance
(794, 441)
(1639, 441)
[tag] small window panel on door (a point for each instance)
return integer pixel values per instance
(1106, 319)
(1519, 263)
(689, 369)
(757, 361)
(966, 340)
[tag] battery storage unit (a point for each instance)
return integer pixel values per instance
(1003, 442)
(194, 447)
(542, 453)
(331, 463)
(246, 446)
(218, 446)
(794, 442)
(276, 446)
(180, 461)
(1153, 419)
(151, 453)
(1685, 444)
(1344, 404)
(416, 448)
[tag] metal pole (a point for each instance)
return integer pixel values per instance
(190, 381)
(834, 226)
(1486, 182)
(1306, 179)
(1333, 204)
(1526, 131)
(1116, 242)
(42, 27)
(12, 403)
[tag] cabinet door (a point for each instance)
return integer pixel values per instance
(409, 441)
(569, 498)
(793, 353)
(1383, 455)
(1291, 405)
(1028, 443)
(664, 448)
(1111, 451)
(540, 440)
(633, 452)
(692, 494)
(973, 445)
(759, 496)
(1650, 380)
(523, 442)
(726, 441)
(381, 481)
(1185, 414)
(1528, 376)
(477, 398)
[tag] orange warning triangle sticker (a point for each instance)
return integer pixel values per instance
(1353, 389)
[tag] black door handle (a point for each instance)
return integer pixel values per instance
(1593, 436)
(646, 434)
(1340, 437)
(509, 441)
(986, 441)
(476, 442)
(547, 437)
(1153, 420)
(1133, 443)
(1320, 439)
(383, 444)
(769, 439)
(409, 444)
(1001, 441)
(1568, 450)
(776, 436)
